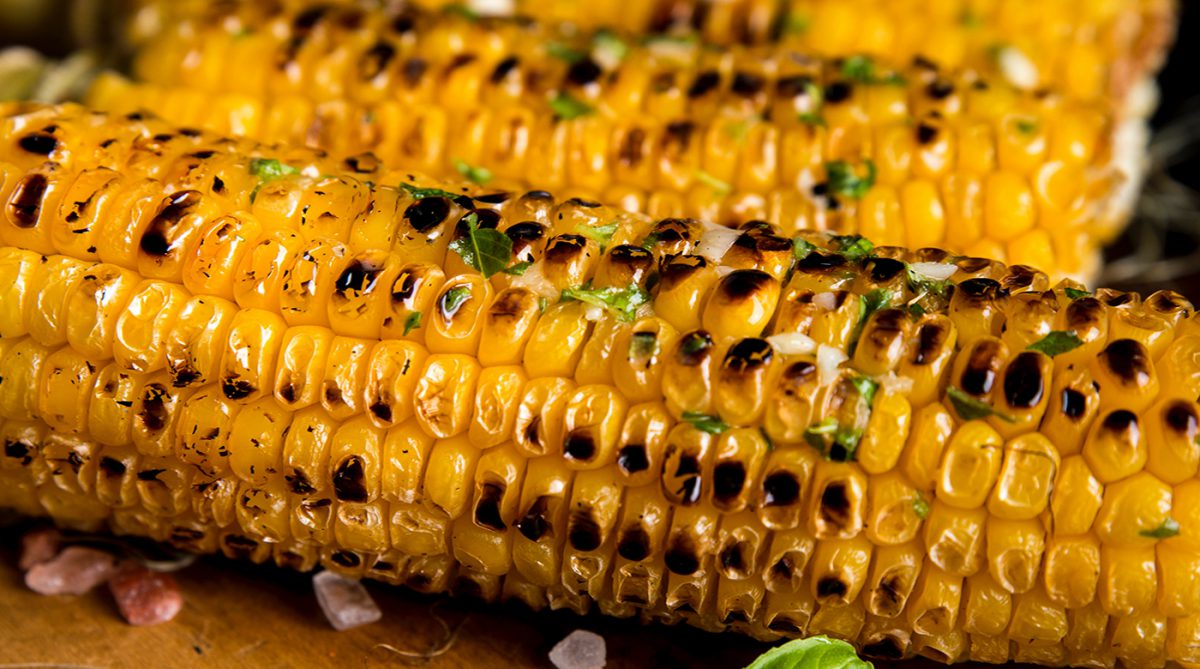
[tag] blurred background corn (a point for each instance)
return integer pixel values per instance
(235, 348)
(917, 156)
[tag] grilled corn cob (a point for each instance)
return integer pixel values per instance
(916, 157)
(505, 396)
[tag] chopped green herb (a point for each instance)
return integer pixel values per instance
(845, 445)
(813, 118)
(518, 269)
(542, 304)
(1026, 127)
(801, 248)
(418, 193)
(694, 344)
(610, 47)
(486, 250)
(920, 506)
(567, 107)
(453, 299)
(624, 302)
(669, 40)
(796, 23)
(412, 322)
(268, 170)
(815, 652)
(875, 300)
(601, 234)
(1075, 293)
(817, 432)
(650, 240)
(242, 33)
(563, 52)
(1057, 343)
(704, 422)
(719, 187)
(916, 310)
(854, 247)
(767, 438)
(643, 345)
(461, 10)
(862, 70)
(1168, 529)
(737, 130)
(970, 19)
(843, 179)
(970, 408)
(866, 388)
(480, 175)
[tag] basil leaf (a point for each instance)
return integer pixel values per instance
(270, 169)
(1075, 293)
(624, 302)
(719, 187)
(854, 247)
(601, 234)
(920, 506)
(479, 175)
(1168, 529)
(518, 269)
(970, 408)
(412, 322)
(567, 107)
(705, 422)
(453, 299)
(1057, 343)
(844, 180)
(486, 250)
(801, 248)
(816, 652)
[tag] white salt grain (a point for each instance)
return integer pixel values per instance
(580, 649)
(345, 601)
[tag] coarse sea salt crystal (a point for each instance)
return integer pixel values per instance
(345, 601)
(145, 597)
(74, 571)
(580, 649)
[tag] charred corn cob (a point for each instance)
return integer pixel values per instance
(916, 157)
(505, 396)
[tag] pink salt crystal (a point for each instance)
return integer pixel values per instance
(37, 546)
(74, 571)
(145, 597)
(345, 601)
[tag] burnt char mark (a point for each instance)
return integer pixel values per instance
(347, 559)
(931, 338)
(747, 85)
(375, 60)
(632, 459)
(579, 445)
(729, 478)
(154, 407)
(939, 89)
(818, 261)
(690, 484)
(236, 389)
(835, 505)
(583, 532)
(298, 483)
(631, 151)
(884, 648)
(535, 524)
(111, 467)
(1180, 417)
(926, 133)
(680, 133)
(1129, 361)
(359, 276)
(781, 488)
(744, 284)
(793, 86)
(831, 587)
(1083, 313)
(19, 450)
(584, 72)
(503, 68)
(1122, 422)
(748, 355)
(884, 269)
(382, 411)
(838, 91)
(1074, 403)
(349, 480)
(634, 544)
(487, 509)
(39, 143)
(703, 83)
(156, 239)
(427, 213)
(888, 595)
(25, 203)
(681, 557)
(1024, 386)
(414, 69)
(980, 375)
(981, 290)
(732, 559)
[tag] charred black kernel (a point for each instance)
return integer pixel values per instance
(979, 375)
(42, 144)
(154, 407)
(164, 137)
(1122, 421)
(1083, 313)
(382, 411)
(525, 232)
(746, 84)
(565, 248)
(538, 195)
(349, 480)
(584, 72)
(414, 68)
(663, 82)
(681, 557)
(461, 60)
(74, 461)
(886, 326)
(680, 134)
(781, 489)
(1074, 403)
(885, 269)
(403, 24)
(306, 20)
(735, 616)
(218, 186)
(790, 87)
(382, 566)
(25, 204)
(728, 480)
(694, 348)
(532, 434)
(926, 133)
(703, 83)
(1117, 299)
(359, 276)
(688, 470)
(744, 284)
(924, 63)
(784, 625)
(427, 213)
(419, 582)
(375, 60)
(635, 258)
(185, 535)
(18, 450)
(799, 372)
(155, 241)
(346, 559)
(634, 544)
(202, 155)
(535, 524)
(889, 592)
(839, 91)
(1128, 360)
(580, 202)
(940, 89)
(748, 355)
(830, 586)
(333, 394)
(112, 467)
(972, 265)
(632, 459)
(240, 546)
(487, 509)
(363, 163)
(1023, 382)
(835, 505)
(820, 261)
(579, 446)
(679, 269)
(287, 393)
(503, 68)
(149, 474)
(783, 569)
(982, 289)
(493, 198)
(1168, 302)
(583, 532)
(632, 147)
(732, 559)
(884, 648)
(488, 219)
(1181, 418)
(298, 483)
(1018, 277)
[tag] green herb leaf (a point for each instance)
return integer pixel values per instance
(485, 250)
(801, 248)
(816, 652)
(875, 300)
(796, 23)
(609, 46)
(567, 107)
(649, 242)
(816, 433)
(843, 179)
(970, 19)
(813, 118)
(1075, 293)
(601, 234)
(412, 322)
(518, 269)
(737, 130)
(916, 310)
(268, 170)
(418, 193)
(1168, 529)
(453, 299)
(542, 304)
(854, 247)
(718, 186)
(920, 506)
(705, 422)
(480, 175)
(694, 343)
(1026, 127)
(624, 302)
(643, 345)
(845, 445)
(970, 408)
(1057, 343)
(461, 10)
(563, 52)
(862, 70)
(866, 388)
(767, 438)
